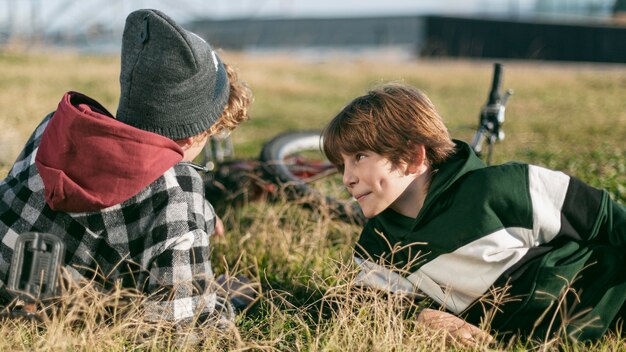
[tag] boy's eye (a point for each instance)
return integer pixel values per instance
(359, 156)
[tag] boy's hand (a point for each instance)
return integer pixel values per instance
(219, 227)
(458, 329)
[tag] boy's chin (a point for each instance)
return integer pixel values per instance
(370, 213)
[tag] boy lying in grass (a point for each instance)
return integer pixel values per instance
(515, 248)
(121, 192)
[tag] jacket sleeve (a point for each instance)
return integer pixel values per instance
(181, 283)
(564, 206)
(589, 213)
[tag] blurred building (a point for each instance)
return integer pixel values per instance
(536, 40)
(570, 30)
(619, 11)
(574, 8)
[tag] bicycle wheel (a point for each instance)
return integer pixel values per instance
(295, 162)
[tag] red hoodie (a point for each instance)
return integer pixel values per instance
(89, 161)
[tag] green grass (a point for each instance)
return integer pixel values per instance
(567, 117)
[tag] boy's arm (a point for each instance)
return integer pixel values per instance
(181, 282)
(589, 213)
(616, 220)
(182, 285)
(566, 207)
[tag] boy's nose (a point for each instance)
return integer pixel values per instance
(349, 179)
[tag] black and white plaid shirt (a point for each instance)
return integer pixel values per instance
(157, 241)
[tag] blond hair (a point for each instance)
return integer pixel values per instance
(391, 120)
(236, 111)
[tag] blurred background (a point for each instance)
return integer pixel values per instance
(565, 30)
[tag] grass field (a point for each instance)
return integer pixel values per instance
(569, 117)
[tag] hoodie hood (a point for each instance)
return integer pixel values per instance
(89, 161)
(462, 162)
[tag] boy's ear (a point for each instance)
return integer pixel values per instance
(419, 162)
(185, 143)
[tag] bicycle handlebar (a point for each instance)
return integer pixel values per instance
(491, 115)
(496, 85)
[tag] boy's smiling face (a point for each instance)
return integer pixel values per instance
(377, 184)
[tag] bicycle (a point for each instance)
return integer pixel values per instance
(291, 164)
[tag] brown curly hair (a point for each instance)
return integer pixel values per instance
(236, 109)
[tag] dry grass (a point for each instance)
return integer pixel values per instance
(570, 118)
(309, 302)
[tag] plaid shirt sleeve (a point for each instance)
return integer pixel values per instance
(181, 284)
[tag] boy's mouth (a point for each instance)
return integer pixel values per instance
(361, 196)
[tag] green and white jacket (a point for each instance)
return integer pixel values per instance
(516, 233)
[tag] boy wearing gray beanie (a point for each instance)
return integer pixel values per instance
(121, 192)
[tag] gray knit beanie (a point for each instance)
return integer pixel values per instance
(172, 81)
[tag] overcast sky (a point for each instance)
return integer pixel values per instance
(365, 7)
